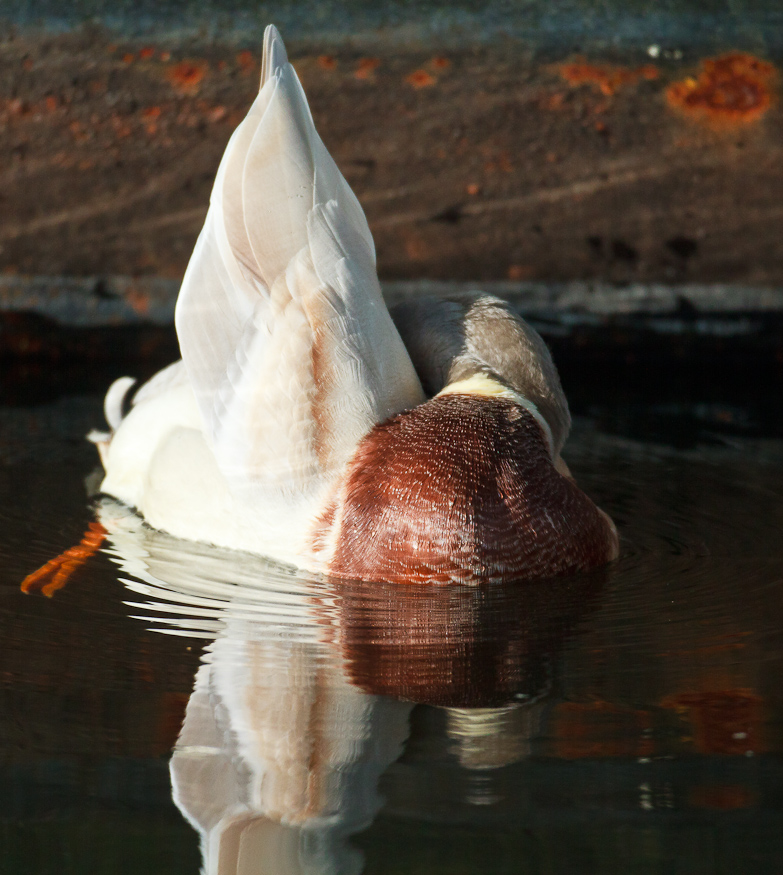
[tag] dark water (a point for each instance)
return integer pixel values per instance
(627, 721)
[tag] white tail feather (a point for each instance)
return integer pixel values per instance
(288, 345)
(115, 398)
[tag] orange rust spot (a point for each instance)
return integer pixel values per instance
(146, 53)
(730, 90)
(186, 76)
(606, 78)
(128, 58)
(56, 572)
(246, 62)
(151, 113)
(51, 103)
(440, 63)
(367, 66)
(420, 79)
(472, 188)
(723, 722)
(139, 301)
(165, 56)
(722, 797)
(326, 62)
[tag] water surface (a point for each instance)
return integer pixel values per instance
(175, 702)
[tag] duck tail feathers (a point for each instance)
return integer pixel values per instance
(114, 402)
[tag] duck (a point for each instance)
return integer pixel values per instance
(309, 423)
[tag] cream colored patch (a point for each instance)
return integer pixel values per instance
(486, 387)
(562, 468)
(479, 384)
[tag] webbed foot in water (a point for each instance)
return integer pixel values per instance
(58, 571)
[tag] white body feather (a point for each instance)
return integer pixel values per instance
(290, 355)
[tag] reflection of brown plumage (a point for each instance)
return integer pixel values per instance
(460, 647)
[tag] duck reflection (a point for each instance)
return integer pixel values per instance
(305, 692)
(279, 756)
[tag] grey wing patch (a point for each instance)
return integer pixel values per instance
(451, 339)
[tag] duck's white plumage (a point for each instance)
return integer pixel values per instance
(289, 353)
(288, 345)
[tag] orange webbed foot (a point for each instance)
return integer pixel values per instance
(57, 572)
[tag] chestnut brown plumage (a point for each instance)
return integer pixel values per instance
(463, 488)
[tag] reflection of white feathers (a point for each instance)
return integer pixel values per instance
(290, 353)
(279, 757)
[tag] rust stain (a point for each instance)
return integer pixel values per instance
(606, 78)
(146, 53)
(139, 301)
(327, 62)
(440, 63)
(730, 90)
(186, 76)
(150, 117)
(420, 79)
(722, 722)
(246, 62)
(367, 67)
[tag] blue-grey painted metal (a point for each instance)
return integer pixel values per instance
(668, 26)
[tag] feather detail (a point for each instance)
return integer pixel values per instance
(114, 400)
(288, 345)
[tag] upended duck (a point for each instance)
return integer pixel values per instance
(307, 423)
